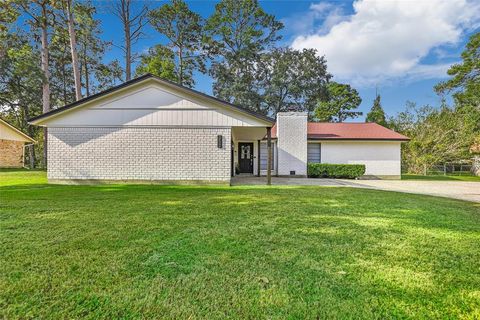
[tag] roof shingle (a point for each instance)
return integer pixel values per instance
(349, 131)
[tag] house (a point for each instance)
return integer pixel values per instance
(150, 129)
(12, 142)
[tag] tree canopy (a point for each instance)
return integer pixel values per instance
(184, 29)
(237, 33)
(465, 76)
(340, 103)
(159, 61)
(292, 79)
(377, 114)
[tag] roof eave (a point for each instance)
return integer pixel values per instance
(27, 137)
(359, 139)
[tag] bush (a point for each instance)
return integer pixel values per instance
(343, 171)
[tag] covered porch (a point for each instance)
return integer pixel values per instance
(251, 149)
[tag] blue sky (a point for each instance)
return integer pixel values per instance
(400, 48)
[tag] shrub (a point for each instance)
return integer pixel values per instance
(327, 170)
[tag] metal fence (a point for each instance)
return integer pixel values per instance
(464, 168)
(451, 169)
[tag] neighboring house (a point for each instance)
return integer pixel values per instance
(12, 142)
(152, 129)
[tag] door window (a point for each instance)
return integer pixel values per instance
(245, 152)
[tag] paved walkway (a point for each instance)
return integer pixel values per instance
(469, 191)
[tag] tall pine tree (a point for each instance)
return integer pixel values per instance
(377, 114)
(236, 34)
(183, 29)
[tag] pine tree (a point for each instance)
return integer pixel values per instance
(340, 104)
(377, 114)
(183, 29)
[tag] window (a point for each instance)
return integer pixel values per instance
(264, 156)
(314, 152)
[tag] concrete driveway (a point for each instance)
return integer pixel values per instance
(469, 191)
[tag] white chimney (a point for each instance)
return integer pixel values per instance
(292, 143)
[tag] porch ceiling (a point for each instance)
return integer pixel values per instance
(248, 133)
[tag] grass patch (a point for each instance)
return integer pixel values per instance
(141, 251)
(440, 178)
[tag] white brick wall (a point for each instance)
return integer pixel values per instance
(292, 143)
(381, 158)
(138, 154)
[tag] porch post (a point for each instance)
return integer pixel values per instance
(258, 158)
(269, 156)
(232, 160)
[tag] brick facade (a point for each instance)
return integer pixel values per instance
(11, 154)
(139, 154)
(292, 143)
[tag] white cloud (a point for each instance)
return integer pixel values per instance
(305, 22)
(384, 40)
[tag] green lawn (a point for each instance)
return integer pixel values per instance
(118, 251)
(441, 178)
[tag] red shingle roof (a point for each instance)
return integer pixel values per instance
(349, 131)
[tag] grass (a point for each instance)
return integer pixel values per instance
(118, 251)
(441, 177)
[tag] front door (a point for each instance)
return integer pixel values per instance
(245, 157)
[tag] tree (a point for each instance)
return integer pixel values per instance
(108, 75)
(20, 85)
(159, 61)
(291, 79)
(40, 13)
(68, 11)
(8, 15)
(92, 50)
(437, 135)
(465, 81)
(133, 22)
(341, 100)
(183, 28)
(236, 34)
(377, 114)
(62, 84)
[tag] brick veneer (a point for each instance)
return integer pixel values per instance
(11, 154)
(292, 143)
(138, 154)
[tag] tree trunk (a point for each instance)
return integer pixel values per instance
(73, 49)
(31, 156)
(31, 149)
(30, 132)
(64, 83)
(180, 66)
(46, 76)
(84, 68)
(131, 30)
(87, 79)
(128, 52)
